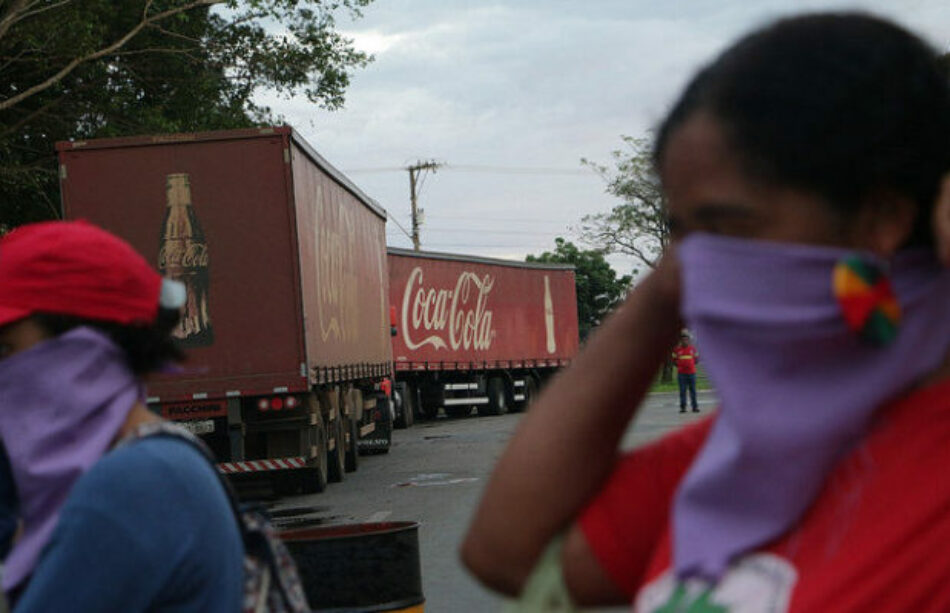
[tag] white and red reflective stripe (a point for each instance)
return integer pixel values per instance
(252, 466)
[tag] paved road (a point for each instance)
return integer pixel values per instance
(434, 474)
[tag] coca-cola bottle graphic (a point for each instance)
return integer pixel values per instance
(549, 316)
(183, 255)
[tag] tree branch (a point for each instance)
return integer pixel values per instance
(187, 52)
(19, 124)
(10, 15)
(171, 34)
(29, 13)
(76, 62)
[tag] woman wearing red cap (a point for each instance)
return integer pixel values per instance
(141, 526)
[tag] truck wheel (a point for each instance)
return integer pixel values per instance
(497, 396)
(352, 449)
(313, 479)
(530, 391)
(409, 407)
(405, 405)
(416, 402)
(335, 457)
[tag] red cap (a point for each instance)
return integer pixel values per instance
(75, 268)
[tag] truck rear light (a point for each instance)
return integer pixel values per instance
(276, 403)
(263, 405)
(291, 402)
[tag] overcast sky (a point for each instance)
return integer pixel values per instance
(529, 84)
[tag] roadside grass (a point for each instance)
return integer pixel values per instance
(702, 383)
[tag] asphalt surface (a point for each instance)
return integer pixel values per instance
(434, 475)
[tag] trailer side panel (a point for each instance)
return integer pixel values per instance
(458, 313)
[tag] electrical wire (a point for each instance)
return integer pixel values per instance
(439, 217)
(521, 170)
(399, 225)
(484, 168)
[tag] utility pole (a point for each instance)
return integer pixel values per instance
(416, 172)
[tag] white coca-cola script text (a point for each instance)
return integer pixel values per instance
(443, 318)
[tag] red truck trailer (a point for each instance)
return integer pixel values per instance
(286, 324)
(477, 332)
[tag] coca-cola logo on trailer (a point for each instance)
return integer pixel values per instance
(456, 318)
(176, 255)
(183, 256)
(337, 238)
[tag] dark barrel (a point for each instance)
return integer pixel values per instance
(359, 567)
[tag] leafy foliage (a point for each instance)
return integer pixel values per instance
(97, 68)
(598, 288)
(638, 226)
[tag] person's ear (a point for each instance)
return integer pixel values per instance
(941, 221)
(885, 222)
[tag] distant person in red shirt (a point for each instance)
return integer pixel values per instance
(686, 357)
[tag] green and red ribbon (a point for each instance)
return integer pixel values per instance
(867, 300)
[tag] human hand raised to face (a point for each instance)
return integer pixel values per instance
(941, 221)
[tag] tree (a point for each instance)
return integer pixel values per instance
(598, 288)
(638, 226)
(94, 68)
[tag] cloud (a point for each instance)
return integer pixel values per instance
(525, 84)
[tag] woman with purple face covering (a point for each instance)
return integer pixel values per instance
(108, 521)
(806, 175)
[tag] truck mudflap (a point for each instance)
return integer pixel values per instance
(253, 466)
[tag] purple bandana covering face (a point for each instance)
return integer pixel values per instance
(797, 387)
(62, 403)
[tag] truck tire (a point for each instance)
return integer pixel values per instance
(335, 457)
(405, 406)
(530, 391)
(497, 397)
(354, 411)
(352, 459)
(313, 479)
(409, 406)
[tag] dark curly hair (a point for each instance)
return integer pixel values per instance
(839, 104)
(147, 348)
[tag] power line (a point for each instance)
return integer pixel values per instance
(521, 246)
(504, 219)
(400, 226)
(490, 231)
(521, 170)
(354, 171)
(483, 168)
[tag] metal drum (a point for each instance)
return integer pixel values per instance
(359, 567)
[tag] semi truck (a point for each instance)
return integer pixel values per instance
(476, 333)
(286, 324)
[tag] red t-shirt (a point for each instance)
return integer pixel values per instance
(876, 539)
(685, 358)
